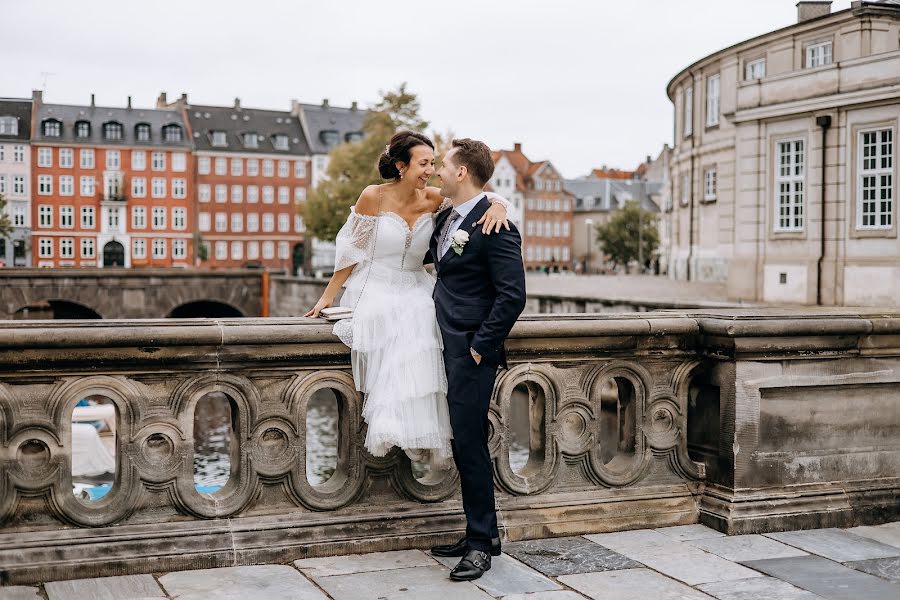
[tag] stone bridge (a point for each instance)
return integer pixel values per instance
(746, 421)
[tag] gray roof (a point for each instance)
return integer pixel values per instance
(591, 194)
(236, 120)
(320, 119)
(20, 108)
(98, 115)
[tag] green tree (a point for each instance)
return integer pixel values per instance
(6, 226)
(629, 228)
(201, 251)
(352, 165)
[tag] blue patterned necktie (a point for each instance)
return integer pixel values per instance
(453, 216)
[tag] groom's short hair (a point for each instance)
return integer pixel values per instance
(476, 157)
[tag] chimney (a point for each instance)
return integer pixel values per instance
(237, 104)
(325, 103)
(92, 101)
(129, 102)
(649, 159)
(812, 10)
(517, 147)
(354, 106)
(37, 96)
(184, 99)
(162, 101)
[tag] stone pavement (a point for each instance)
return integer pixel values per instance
(690, 562)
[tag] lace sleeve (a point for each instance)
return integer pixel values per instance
(447, 203)
(492, 197)
(353, 243)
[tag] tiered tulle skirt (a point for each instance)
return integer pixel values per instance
(396, 353)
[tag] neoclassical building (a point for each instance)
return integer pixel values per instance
(754, 125)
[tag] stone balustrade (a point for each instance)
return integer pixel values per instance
(743, 420)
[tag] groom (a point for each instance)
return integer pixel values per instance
(479, 294)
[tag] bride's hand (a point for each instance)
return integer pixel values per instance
(494, 219)
(322, 303)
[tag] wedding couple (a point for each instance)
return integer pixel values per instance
(425, 352)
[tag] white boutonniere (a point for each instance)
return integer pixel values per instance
(459, 241)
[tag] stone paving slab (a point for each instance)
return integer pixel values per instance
(414, 583)
(694, 567)
(362, 563)
(828, 579)
(631, 584)
(741, 548)
(19, 593)
(272, 582)
(836, 544)
(123, 587)
(637, 539)
(565, 556)
(563, 595)
(686, 533)
(886, 568)
(757, 588)
(889, 533)
(508, 576)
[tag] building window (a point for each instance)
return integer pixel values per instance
(221, 166)
(221, 193)
(18, 154)
(82, 129)
(66, 185)
(268, 194)
(45, 185)
(329, 137)
(818, 55)
(688, 112)
(268, 168)
(268, 224)
(87, 248)
(529, 253)
(45, 247)
(179, 248)
(203, 192)
(237, 167)
(66, 158)
(179, 162)
(284, 250)
(139, 248)
(86, 158)
(158, 161)
(252, 167)
(221, 221)
(3, 191)
(88, 186)
(159, 248)
(284, 223)
(158, 187)
(218, 139)
(20, 215)
(252, 222)
(203, 221)
(709, 185)
(112, 218)
(45, 157)
(179, 188)
(67, 217)
(138, 160)
(755, 69)
(268, 250)
(112, 131)
(203, 165)
(66, 248)
(113, 159)
(875, 185)
(142, 132)
(52, 128)
(280, 141)
(139, 187)
(299, 169)
(138, 217)
(237, 250)
(18, 185)
(789, 179)
(179, 218)
(252, 194)
(221, 250)
(252, 250)
(172, 133)
(529, 228)
(298, 224)
(237, 193)
(250, 140)
(237, 222)
(284, 168)
(159, 217)
(299, 195)
(284, 195)
(712, 100)
(9, 126)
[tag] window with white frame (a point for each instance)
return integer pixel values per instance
(685, 189)
(251, 140)
(565, 229)
(284, 250)
(755, 69)
(268, 224)
(18, 185)
(67, 217)
(9, 125)
(87, 187)
(112, 218)
(237, 167)
(252, 222)
(20, 215)
(280, 141)
(112, 131)
(82, 129)
(179, 218)
(52, 128)
(237, 222)
(139, 187)
(3, 190)
(203, 165)
(237, 250)
(158, 161)
(221, 193)
(66, 185)
(712, 100)
(790, 167)
(529, 228)
(221, 221)
(539, 228)
(66, 158)
(172, 133)
(203, 192)
(283, 168)
(142, 132)
(179, 248)
(875, 181)
(252, 250)
(45, 185)
(221, 166)
(284, 194)
(45, 247)
(284, 223)
(179, 188)
(66, 248)
(45, 157)
(221, 250)
(203, 221)
(299, 227)
(818, 55)
(86, 158)
(88, 248)
(45, 216)
(219, 139)
(237, 193)
(268, 167)
(252, 194)
(138, 217)
(159, 218)
(268, 194)
(87, 217)
(113, 159)
(268, 250)
(299, 195)
(709, 184)
(179, 162)
(688, 111)
(300, 169)
(158, 187)
(529, 253)
(138, 160)
(159, 248)
(139, 248)
(252, 167)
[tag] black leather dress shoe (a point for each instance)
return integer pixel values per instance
(461, 547)
(471, 566)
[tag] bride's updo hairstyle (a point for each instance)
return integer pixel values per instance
(400, 150)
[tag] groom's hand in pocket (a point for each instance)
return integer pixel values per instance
(475, 356)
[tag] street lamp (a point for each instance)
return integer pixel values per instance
(588, 223)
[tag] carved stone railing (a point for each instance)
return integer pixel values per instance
(744, 421)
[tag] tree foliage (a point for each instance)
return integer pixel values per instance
(620, 237)
(353, 165)
(6, 226)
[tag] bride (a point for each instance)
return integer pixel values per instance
(396, 345)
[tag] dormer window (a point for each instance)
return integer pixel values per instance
(52, 128)
(82, 129)
(354, 136)
(9, 126)
(172, 133)
(280, 141)
(142, 132)
(251, 140)
(112, 131)
(329, 137)
(219, 139)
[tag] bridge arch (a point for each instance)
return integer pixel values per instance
(213, 309)
(56, 309)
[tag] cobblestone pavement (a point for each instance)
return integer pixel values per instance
(631, 288)
(690, 562)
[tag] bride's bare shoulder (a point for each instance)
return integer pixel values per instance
(434, 198)
(368, 201)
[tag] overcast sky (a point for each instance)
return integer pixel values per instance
(581, 82)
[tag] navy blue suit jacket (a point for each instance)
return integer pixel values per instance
(480, 293)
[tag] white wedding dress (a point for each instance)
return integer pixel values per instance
(396, 345)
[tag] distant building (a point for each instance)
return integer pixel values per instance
(112, 187)
(15, 179)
